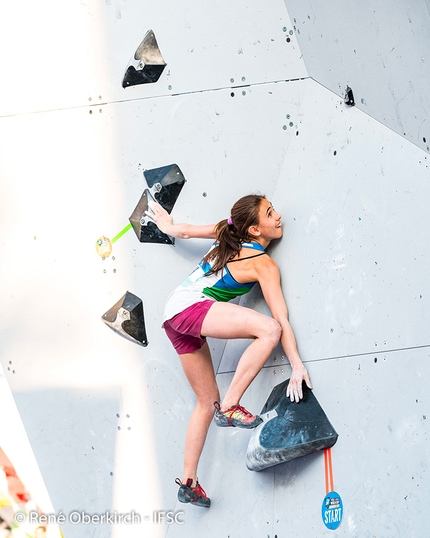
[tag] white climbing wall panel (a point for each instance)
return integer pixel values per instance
(250, 100)
(75, 54)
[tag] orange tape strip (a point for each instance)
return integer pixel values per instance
(328, 471)
(330, 467)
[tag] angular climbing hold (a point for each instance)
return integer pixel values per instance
(146, 230)
(290, 430)
(349, 97)
(165, 185)
(147, 63)
(126, 318)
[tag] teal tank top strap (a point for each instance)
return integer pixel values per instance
(254, 245)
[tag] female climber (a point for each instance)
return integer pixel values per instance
(199, 308)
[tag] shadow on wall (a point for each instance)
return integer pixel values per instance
(85, 448)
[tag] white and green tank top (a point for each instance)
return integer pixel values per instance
(199, 286)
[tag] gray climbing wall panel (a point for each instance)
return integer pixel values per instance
(379, 50)
(379, 460)
(240, 108)
(354, 269)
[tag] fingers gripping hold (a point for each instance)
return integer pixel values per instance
(294, 389)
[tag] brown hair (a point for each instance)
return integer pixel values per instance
(230, 236)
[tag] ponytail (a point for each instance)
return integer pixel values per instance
(231, 233)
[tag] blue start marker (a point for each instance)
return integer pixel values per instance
(332, 510)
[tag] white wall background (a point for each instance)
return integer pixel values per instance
(105, 418)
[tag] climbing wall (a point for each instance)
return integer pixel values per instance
(242, 99)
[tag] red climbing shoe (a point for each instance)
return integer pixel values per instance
(196, 495)
(236, 416)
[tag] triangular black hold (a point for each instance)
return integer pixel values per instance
(349, 97)
(167, 182)
(147, 75)
(146, 230)
(164, 175)
(147, 63)
(165, 186)
(168, 196)
(290, 430)
(126, 318)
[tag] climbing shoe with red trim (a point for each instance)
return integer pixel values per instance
(196, 495)
(236, 416)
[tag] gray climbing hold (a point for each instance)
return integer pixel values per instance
(147, 63)
(126, 319)
(290, 430)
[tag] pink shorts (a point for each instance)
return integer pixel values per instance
(184, 329)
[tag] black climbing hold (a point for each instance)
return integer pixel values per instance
(146, 230)
(150, 73)
(126, 318)
(290, 430)
(165, 185)
(147, 63)
(349, 97)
